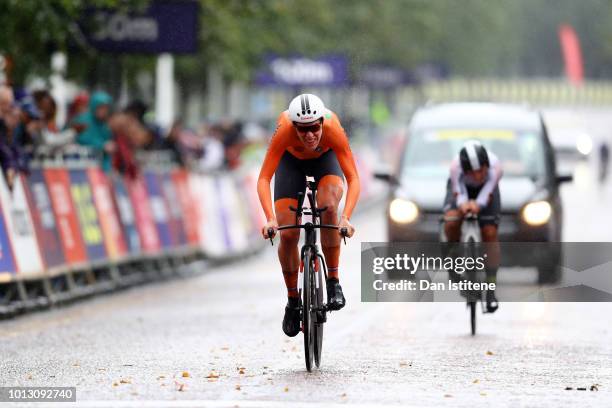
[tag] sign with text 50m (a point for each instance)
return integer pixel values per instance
(164, 26)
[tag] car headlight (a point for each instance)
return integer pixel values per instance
(537, 213)
(403, 211)
(584, 144)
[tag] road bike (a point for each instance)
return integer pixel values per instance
(313, 270)
(470, 247)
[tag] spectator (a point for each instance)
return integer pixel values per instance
(213, 157)
(12, 159)
(78, 106)
(51, 135)
(172, 142)
(123, 157)
(97, 133)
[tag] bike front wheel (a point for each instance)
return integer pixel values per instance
(308, 295)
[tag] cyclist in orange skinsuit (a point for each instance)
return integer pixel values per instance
(309, 140)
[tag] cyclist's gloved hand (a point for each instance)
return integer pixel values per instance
(270, 224)
(474, 208)
(465, 207)
(344, 223)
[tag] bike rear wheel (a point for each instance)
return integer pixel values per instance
(307, 306)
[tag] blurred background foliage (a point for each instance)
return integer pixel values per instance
(470, 38)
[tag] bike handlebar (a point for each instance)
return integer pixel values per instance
(343, 230)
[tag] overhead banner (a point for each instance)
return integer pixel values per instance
(108, 218)
(43, 219)
(331, 70)
(164, 26)
(380, 76)
(58, 183)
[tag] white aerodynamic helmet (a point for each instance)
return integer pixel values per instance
(306, 108)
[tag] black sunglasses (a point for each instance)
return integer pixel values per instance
(311, 128)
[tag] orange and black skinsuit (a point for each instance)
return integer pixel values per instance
(291, 162)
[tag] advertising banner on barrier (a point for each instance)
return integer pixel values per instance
(43, 219)
(87, 214)
(159, 209)
(173, 203)
(7, 261)
(190, 215)
(232, 213)
(145, 222)
(108, 218)
(258, 218)
(18, 223)
(127, 217)
(58, 184)
(198, 194)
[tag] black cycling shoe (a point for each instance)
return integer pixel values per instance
(335, 297)
(292, 321)
(492, 303)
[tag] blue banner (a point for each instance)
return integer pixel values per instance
(126, 215)
(331, 70)
(7, 262)
(159, 209)
(165, 26)
(80, 190)
(43, 218)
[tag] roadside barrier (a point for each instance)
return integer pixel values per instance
(69, 230)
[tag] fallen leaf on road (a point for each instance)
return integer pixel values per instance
(161, 377)
(489, 353)
(186, 374)
(404, 364)
(115, 384)
(180, 386)
(212, 375)
(484, 394)
(225, 348)
(29, 376)
(241, 371)
(126, 381)
(343, 395)
(475, 381)
(594, 387)
(237, 387)
(286, 389)
(448, 396)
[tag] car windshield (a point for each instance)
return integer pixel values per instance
(430, 152)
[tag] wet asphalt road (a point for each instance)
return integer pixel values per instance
(215, 340)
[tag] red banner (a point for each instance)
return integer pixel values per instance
(58, 183)
(147, 230)
(188, 204)
(570, 44)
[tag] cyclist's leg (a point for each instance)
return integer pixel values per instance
(488, 229)
(329, 193)
(452, 229)
(330, 183)
(289, 180)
